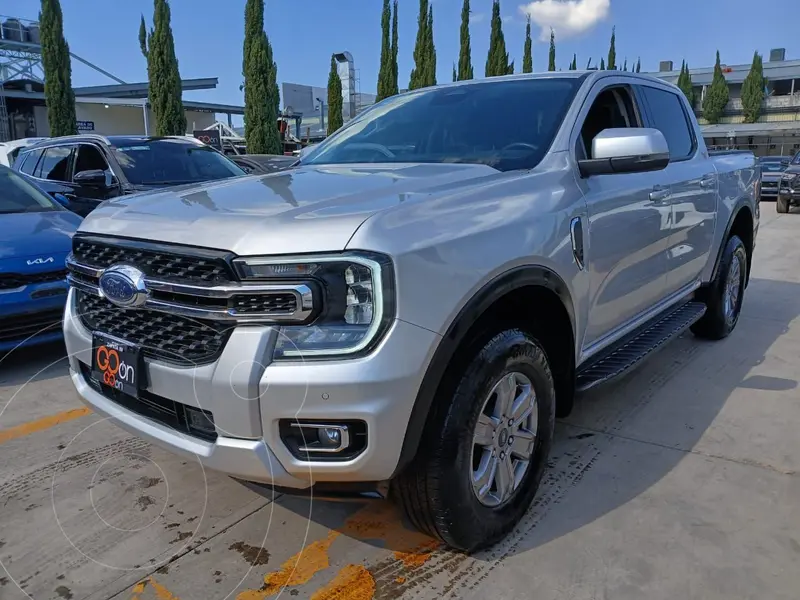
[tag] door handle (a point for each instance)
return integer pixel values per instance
(659, 193)
(708, 181)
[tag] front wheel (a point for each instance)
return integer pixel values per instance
(724, 296)
(485, 450)
(782, 204)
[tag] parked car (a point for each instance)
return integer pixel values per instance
(406, 312)
(790, 186)
(263, 163)
(36, 233)
(89, 169)
(772, 168)
(10, 150)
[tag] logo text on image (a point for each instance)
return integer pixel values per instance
(115, 372)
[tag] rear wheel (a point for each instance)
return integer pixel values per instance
(724, 296)
(782, 204)
(485, 449)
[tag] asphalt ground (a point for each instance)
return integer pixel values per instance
(678, 481)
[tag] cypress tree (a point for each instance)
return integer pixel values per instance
(551, 61)
(385, 71)
(602, 64)
(335, 119)
(497, 59)
(143, 37)
(638, 65)
(753, 90)
(162, 70)
(260, 84)
(625, 65)
(717, 95)
(527, 55)
(430, 61)
(573, 66)
(420, 51)
(465, 70)
(455, 73)
(685, 83)
(58, 94)
(393, 90)
(612, 51)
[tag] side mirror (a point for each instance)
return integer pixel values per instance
(626, 150)
(62, 200)
(95, 177)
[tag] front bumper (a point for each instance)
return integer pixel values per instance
(31, 314)
(249, 395)
(793, 194)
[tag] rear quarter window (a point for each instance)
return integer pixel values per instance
(669, 117)
(28, 161)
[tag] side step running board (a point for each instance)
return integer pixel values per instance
(635, 349)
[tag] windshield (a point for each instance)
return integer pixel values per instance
(504, 124)
(18, 195)
(796, 160)
(172, 162)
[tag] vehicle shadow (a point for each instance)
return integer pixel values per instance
(38, 363)
(681, 377)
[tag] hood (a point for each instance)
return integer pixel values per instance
(37, 235)
(307, 209)
(793, 169)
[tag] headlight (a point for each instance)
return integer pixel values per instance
(353, 298)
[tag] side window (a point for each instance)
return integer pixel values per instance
(89, 158)
(54, 164)
(612, 108)
(29, 161)
(669, 117)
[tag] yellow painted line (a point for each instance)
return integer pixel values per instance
(13, 433)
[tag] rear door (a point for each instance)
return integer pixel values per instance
(692, 182)
(53, 169)
(628, 223)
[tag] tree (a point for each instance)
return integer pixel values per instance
(625, 65)
(455, 73)
(260, 84)
(385, 71)
(685, 83)
(717, 95)
(573, 66)
(465, 70)
(164, 78)
(335, 119)
(638, 65)
(612, 51)
(143, 37)
(422, 52)
(58, 94)
(551, 60)
(394, 81)
(753, 90)
(497, 59)
(602, 64)
(430, 63)
(527, 55)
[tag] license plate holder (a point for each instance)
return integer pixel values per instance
(117, 364)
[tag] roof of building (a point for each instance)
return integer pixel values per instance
(773, 71)
(738, 129)
(140, 89)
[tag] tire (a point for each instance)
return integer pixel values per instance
(719, 321)
(782, 204)
(436, 490)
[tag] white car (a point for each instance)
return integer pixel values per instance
(10, 150)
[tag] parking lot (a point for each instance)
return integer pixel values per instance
(679, 481)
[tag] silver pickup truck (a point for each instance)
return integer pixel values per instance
(407, 311)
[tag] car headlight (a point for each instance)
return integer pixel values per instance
(353, 299)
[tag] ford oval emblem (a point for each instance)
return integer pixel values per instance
(124, 286)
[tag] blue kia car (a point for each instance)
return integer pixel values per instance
(35, 238)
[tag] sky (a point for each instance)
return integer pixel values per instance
(304, 33)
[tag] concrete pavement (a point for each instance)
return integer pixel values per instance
(679, 481)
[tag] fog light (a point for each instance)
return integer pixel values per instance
(324, 440)
(199, 421)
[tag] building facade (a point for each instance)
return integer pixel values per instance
(777, 131)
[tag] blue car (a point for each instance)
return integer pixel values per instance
(35, 238)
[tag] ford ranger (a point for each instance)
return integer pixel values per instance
(407, 310)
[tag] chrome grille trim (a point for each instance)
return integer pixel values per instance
(85, 278)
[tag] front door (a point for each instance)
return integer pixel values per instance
(89, 157)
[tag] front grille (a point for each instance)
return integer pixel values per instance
(25, 326)
(168, 337)
(155, 407)
(267, 304)
(10, 281)
(203, 267)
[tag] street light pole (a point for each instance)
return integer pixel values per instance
(322, 114)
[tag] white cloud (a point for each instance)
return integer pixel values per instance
(566, 17)
(476, 17)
